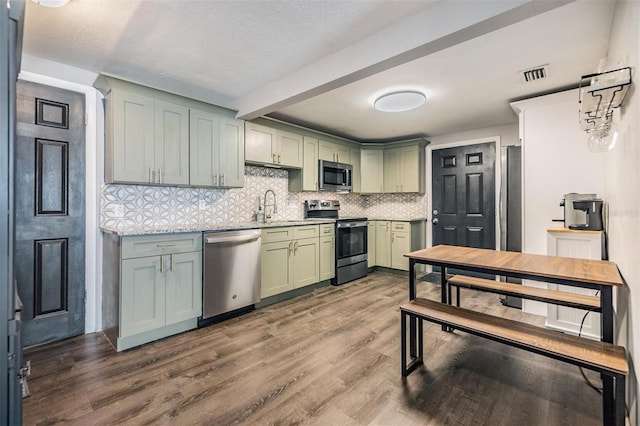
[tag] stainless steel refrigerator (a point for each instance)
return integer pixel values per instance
(511, 209)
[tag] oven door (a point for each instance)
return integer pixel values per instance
(351, 242)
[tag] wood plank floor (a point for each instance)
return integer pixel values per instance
(328, 358)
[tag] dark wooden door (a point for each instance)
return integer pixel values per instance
(463, 207)
(50, 211)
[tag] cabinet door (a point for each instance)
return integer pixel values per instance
(171, 144)
(231, 153)
(326, 151)
(343, 154)
(327, 258)
(142, 295)
(204, 129)
(183, 286)
(260, 144)
(400, 244)
(391, 165)
(306, 262)
(310, 164)
(130, 150)
(276, 269)
(409, 169)
(383, 243)
(357, 174)
(371, 244)
(289, 149)
(371, 171)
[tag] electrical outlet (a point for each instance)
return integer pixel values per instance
(202, 205)
(118, 210)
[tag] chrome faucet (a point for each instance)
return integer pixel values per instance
(268, 215)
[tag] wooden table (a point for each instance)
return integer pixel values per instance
(593, 274)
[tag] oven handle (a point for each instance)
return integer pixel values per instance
(352, 224)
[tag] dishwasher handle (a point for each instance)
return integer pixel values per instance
(213, 239)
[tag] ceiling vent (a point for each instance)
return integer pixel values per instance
(535, 74)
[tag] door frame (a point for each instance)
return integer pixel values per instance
(497, 173)
(94, 154)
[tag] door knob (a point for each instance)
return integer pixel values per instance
(434, 220)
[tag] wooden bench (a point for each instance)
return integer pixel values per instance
(605, 358)
(563, 298)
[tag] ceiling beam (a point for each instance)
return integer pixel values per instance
(441, 26)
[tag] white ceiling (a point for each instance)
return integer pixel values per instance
(319, 62)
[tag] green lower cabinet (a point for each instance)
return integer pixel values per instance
(327, 258)
(383, 243)
(306, 262)
(143, 296)
(290, 258)
(152, 287)
(400, 244)
(277, 274)
(371, 244)
(184, 295)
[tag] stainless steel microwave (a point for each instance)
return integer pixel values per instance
(334, 176)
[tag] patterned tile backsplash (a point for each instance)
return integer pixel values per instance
(154, 206)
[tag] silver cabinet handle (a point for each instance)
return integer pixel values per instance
(295, 247)
(222, 179)
(215, 180)
(161, 264)
(274, 158)
(290, 247)
(159, 175)
(279, 159)
(149, 174)
(171, 262)
(166, 245)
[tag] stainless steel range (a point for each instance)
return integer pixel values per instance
(351, 239)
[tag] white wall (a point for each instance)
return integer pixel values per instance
(508, 135)
(555, 161)
(622, 192)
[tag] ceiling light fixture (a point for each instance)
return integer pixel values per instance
(51, 3)
(399, 101)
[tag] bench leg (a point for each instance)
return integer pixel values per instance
(416, 361)
(613, 400)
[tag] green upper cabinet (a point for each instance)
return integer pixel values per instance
(150, 138)
(306, 179)
(356, 177)
(290, 148)
(371, 170)
(171, 143)
(130, 144)
(329, 151)
(147, 140)
(217, 150)
(404, 168)
(268, 146)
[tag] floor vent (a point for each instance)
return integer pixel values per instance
(535, 74)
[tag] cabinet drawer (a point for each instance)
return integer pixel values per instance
(272, 235)
(401, 226)
(311, 231)
(152, 245)
(327, 230)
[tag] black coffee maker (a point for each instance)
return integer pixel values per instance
(593, 215)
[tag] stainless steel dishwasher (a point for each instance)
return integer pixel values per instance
(231, 271)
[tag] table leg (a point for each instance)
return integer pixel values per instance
(608, 401)
(606, 316)
(412, 321)
(445, 292)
